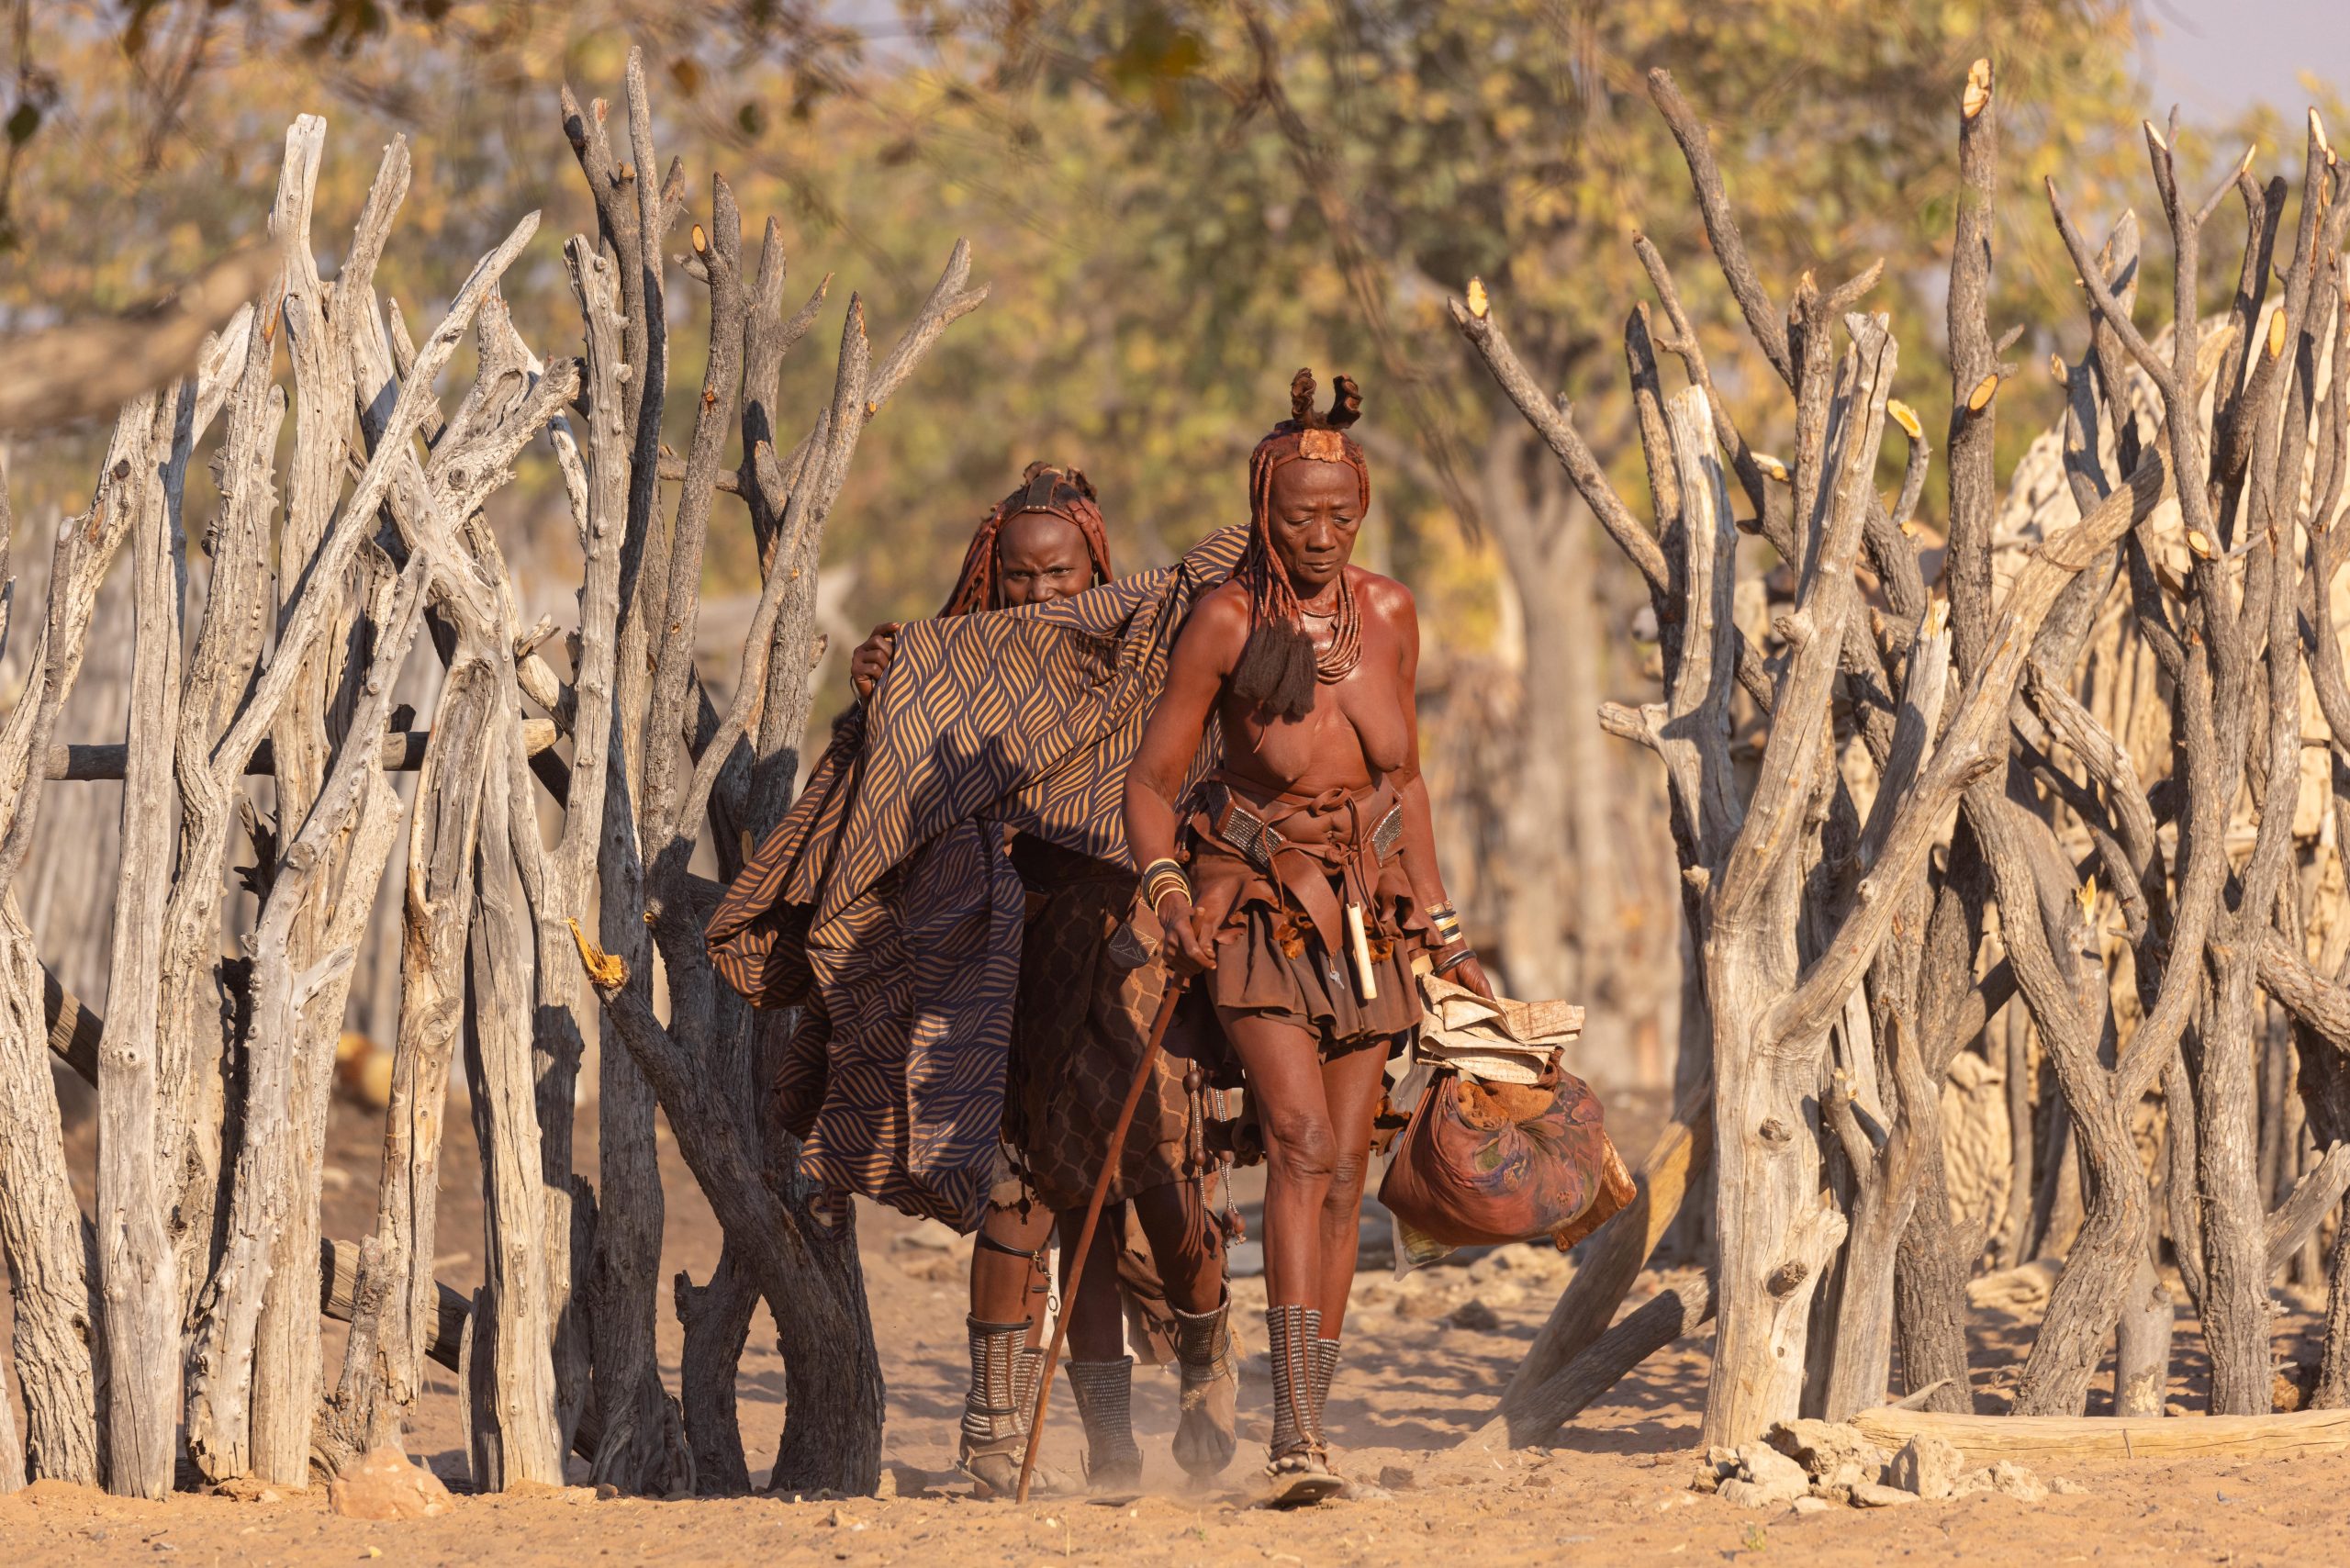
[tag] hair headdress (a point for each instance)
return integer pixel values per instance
(1280, 666)
(1065, 493)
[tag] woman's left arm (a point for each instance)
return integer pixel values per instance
(1412, 789)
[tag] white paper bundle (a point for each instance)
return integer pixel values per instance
(1497, 1041)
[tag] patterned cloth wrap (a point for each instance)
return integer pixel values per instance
(884, 904)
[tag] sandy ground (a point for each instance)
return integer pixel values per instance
(1420, 1373)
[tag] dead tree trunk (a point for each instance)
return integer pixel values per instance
(267, 1180)
(659, 796)
(1746, 861)
(639, 1449)
(1674, 1313)
(225, 1425)
(138, 1264)
(193, 1046)
(51, 1250)
(515, 1435)
(285, 1387)
(1886, 1165)
(436, 922)
(561, 881)
(52, 1268)
(433, 505)
(2235, 654)
(1932, 1270)
(216, 1109)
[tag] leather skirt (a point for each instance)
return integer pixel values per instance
(1274, 874)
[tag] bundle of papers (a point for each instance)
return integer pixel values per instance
(1497, 1041)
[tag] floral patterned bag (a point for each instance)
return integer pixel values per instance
(1485, 1163)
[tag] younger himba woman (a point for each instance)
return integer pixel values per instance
(1079, 1028)
(1311, 878)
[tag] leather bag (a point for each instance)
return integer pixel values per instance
(1484, 1164)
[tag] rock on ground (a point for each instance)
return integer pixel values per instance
(1873, 1495)
(385, 1485)
(1927, 1466)
(1831, 1452)
(1766, 1479)
(2016, 1482)
(1423, 1306)
(1475, 1314)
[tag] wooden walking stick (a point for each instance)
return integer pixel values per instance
(1150, 1050)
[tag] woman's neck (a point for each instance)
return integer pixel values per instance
(1325, 601)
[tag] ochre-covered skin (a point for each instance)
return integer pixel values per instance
(1306, 662)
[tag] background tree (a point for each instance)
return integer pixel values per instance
(1183, 203)
(1261, 184)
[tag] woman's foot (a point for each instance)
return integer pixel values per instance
(1205, 1437)
(1105, 1393)
(1300, 1466)
(996, 1406)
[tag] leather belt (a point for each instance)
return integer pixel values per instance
(1304, 868)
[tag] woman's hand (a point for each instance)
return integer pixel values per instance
(1468, 972)
(1188, 949)
(870, 662)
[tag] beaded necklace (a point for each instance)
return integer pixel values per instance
(1334, 663)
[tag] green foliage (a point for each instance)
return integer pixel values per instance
(1513, 140)
(1162, 251)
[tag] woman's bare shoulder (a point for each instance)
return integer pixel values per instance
(1382, 596)
(1220, 612)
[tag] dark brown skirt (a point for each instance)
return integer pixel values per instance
(1087, 1001)
(1271, 964)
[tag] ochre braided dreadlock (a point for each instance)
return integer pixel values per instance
(1280, 667)
(1065, 493)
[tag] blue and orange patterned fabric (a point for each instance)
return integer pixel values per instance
(884, 906)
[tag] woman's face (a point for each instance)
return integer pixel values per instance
(1041, 557)
(1316, 512)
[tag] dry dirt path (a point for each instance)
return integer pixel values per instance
(1419, 1374)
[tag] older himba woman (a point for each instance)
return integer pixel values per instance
(1311, 878)
(1077, 1031)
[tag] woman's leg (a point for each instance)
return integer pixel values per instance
(1285, 1083)
(1008, 1286)
(1285, 1087)
(1008, 1278)
(1189, 1249)
(1096, 1322)
(1350, 1085)
(1185, 1243)
(1100, 1373)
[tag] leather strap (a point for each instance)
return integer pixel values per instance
(1305, 868)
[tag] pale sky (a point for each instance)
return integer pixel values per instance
(2216, 58)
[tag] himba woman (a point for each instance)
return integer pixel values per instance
(1079, 1028)
(1312, 879)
